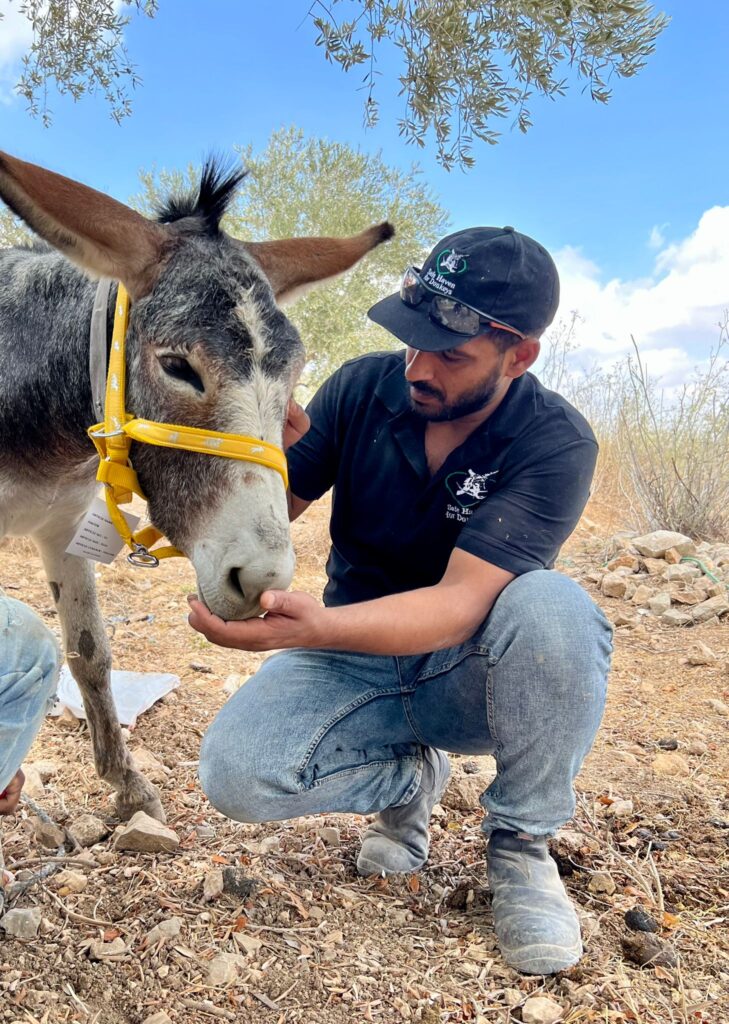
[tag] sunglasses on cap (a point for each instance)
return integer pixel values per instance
(449, 313)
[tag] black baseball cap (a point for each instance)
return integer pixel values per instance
(508, 277)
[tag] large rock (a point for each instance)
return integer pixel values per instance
(144, 834)
(708, 609)
(656, 544)
(670, 764)
(675, 617)
(700, 653)
(21, 924)
(659, 603)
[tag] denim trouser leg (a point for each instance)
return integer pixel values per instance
(317, 731)
(29, 663)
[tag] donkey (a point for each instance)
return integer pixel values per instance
(207, 346)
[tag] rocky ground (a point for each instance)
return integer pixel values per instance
(271, 923)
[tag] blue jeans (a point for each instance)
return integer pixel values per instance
(315, 731)
(29, 663)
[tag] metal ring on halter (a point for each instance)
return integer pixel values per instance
(106, 433)
(142, 558)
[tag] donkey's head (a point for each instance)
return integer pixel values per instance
(208, 346)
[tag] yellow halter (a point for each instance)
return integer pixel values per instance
(113, 440)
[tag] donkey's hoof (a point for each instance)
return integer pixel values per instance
(128, 805)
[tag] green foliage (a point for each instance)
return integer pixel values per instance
(12, 230)
(300, 186)
(78, 46)
(469, 62)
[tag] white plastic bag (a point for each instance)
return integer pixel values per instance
(133, 693)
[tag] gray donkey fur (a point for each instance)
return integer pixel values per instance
(208, 346)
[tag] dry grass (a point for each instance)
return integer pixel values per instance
(335, 948)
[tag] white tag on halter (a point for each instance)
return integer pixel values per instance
(96, 537)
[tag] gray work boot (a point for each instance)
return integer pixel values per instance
(398, 839)
(535, 922)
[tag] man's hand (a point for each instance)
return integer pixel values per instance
(297, 423)
(10, 796)
(291, 620)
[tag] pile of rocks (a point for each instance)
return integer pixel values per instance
(658, 574)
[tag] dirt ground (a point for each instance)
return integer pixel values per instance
(321, 945)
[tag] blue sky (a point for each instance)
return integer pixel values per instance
(632, 197)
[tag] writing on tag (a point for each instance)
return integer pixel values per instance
(96, 537)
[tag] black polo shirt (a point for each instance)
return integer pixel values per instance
(510, 494)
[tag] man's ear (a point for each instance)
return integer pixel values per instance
(521, 356)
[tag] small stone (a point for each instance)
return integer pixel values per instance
(316, 914)
(672, 557)
(233, 682)
(625, 756)
(21, 924)
(620, 809)
(642, 595)
(158, 1018)
(33, 785)
(624, 561)
(614, 585)
(470, 768)
(164, 931)
(654, 566)
(674, 617)
(463, 793)
(71, 881)
(683, 572)
(100, 950)
(223, 970)
(269, 844)
(67, 720)
(656, 544)
(46, 769)
(589, 925)
(708, 609)
(329, 836)
(237, 883)
(719, 707)
(647, 950)
(670, 764)
(201, 666)
(212, 885)
(668, 743)
(89, 830)
(639, 920)
(659, 603)
(150, 765)
(697, 748)
(700, 653)
(686, 595)
(143, 834)
(48, 835)
(601, 884)
(622, 619)
(541, 1010)
(248, 943)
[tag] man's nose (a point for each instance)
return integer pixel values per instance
(418, 365)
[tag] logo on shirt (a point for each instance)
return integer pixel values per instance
(468, 488)
(451, 262)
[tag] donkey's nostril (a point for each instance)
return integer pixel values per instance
(234, 578)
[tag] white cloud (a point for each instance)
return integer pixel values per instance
(657, 238)
(673, 314)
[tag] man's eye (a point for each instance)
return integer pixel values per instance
(180, 369)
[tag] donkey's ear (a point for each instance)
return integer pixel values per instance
(102, 236)
(293, 265)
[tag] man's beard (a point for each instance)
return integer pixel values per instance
(471, 401)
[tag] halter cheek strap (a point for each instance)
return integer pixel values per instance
(113, 440)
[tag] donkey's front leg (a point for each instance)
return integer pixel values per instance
(87, 648)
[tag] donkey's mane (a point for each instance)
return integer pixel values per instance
(218, 184)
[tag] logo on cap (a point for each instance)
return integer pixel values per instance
(450, 261)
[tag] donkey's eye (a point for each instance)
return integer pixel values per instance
(180, 369)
